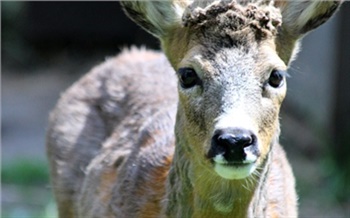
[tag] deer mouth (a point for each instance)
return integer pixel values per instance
(235, 164)
(249, 158)
(234, 170)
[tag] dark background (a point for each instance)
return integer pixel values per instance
(46, 46)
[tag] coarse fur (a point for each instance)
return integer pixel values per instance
(111, 141)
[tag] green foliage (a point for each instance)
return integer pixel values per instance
(26, 194)
(25, 172)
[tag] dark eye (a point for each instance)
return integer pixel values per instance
(276, 78)
(188, 77)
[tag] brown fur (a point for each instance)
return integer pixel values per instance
(111, 141)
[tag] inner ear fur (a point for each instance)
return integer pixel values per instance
(156, 17)
(298, 18)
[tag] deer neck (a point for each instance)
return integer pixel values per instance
(195, 191)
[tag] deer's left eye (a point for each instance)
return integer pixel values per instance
(188, 77)
(276, 78)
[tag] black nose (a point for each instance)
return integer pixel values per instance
(231, 143)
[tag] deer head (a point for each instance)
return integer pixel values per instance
(231, 60)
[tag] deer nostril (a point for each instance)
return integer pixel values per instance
(231, 144)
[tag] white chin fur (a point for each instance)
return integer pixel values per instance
(234, 172)
(227, 171)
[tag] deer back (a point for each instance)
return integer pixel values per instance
(108, 119)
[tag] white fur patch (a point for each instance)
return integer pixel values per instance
(235, 118)
(250, 158)
(307, 14)
(178, 11)
(234, 172)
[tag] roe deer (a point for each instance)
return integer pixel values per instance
(192, 133)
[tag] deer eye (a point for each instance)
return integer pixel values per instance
(188, 77)
(276, 78)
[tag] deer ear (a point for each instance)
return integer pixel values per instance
(156, 17)
(298, 18)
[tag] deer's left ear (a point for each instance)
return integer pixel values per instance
(300, 17)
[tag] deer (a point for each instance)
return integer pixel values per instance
(192, 131)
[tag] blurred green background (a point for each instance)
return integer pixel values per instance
(46, 46)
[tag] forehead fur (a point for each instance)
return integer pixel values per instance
(234, 20)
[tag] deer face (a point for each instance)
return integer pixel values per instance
(231, 61)
(229, 104)
(231, 86)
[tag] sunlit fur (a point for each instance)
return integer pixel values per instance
(111, 141)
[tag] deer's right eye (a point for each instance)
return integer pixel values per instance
(188, 77)
(276, 78)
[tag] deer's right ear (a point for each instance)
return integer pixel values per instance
(156, 17)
